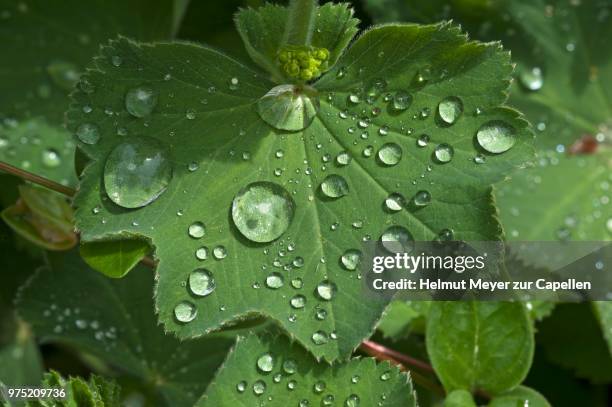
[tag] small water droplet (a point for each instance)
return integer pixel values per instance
(402, 100)
(196, 230)
(88, 133)
(397, 239)
(532, 79)
(390, 154)
(201, 282)
(334, 186)
(185, 312)
(274, 281)
(241, 386)
(444, 153)
(202, 253)
(265, 363)
(259, 387)
(289, 366)
(394, 202)
(326, 290)
(51, 158)
(496, 136)
(219, 252)
(319, 338)
(298, 301)
(350, 259)
(422, 198)
(450, 109)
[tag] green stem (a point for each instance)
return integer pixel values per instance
(300, 23)
(37, 179)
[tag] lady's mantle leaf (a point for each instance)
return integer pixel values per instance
(248, 219)
(114, 320)
(480, 345)
(283, 374)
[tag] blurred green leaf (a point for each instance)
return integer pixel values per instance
(480, 345)
(123, 331)
(20, 360)
(603, 310)
(401, 317)
(284, 374)
(459, 398)
(521, 396)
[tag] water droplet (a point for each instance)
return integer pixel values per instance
(352, 401)
(343, 158)
(190, 114)
(319, 338)
(202, 253)
(531, 79)
(422, 198)
(137, 172)
(298, 301)
(289, 366)
(385, 376)
(444, 153)
(241, 386)
(423, 140)
(201, 282)
(265, 363)
(445, 235)
(274, 281)
(51, 158)
(355, 379)
(196, 230)
(319, 386)
(116, 60)
(402, 100)
(321, 314)
(259, 387)
(88, 133)
(262, 211)
(297, 283)
(334, 186)
(140, 101)
(397, 239)
(185, 312)
(496, 136)
(394, 202)
(450, 109)
(480, 159)
(390, 154)
(287, 107)
(220, 252)
(350, 259)
(326, 290)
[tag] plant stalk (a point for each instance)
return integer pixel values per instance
(300, 23)
(37, 179)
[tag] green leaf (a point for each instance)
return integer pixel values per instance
(603, 311)
(20, 360)
(114, 258)
(459, 398)
(42, 61)
(567, 97)
(123, 332)
(402, 317)
(273, 369)
(480, 345)
(263, 32)
(521, 396)
(579, 345)
(211, 164)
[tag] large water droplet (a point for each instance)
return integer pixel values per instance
(88, 133)
(444, 153)
(201, 282)
(262, 211)
(289, 107)
(532, 79)
(265, 363)
(397, 239)
(334, 186)
(137, 172)
(450, 109)
(185, 312)
(496, 136)
(390, 154)
(141, 101)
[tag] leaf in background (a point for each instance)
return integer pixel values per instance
(114, 258)
(563, 76)
(42, 61)
(459, 398)
(480, 345)
(401, 317)
(274, 370)
(521, 396)
(20, 359)
(578, 345)
(114, 320)
(217, 264)
(43, 217)
(603, 311)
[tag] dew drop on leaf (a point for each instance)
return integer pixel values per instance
(220, 252)
(402, 100)
(196, 230)
(319, 338)
(350, 259)
(88, 133)
(298, 301)
(450, 109)
(140, 101)
(496, 136)
(352, 401)
(201, 282)
(289, 366)
(422, 198)
(385, 376)
(334, 186)
(532, 79)
(445, 235)
(326, 290)
(265, 363)
(343, 158)
(259, 387)
(394, 202)
(444, 153)
(241, 386)
(397, 239)
(202, 253)
(319, 386)
(262, 211)
(289, 107)
(51, 158)
(274, 281)
(423, 140)
(185, 312)
(137, 172)
(390, 154)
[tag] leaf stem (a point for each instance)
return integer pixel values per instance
(37, 179)
(372, 347)
(300, 23)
